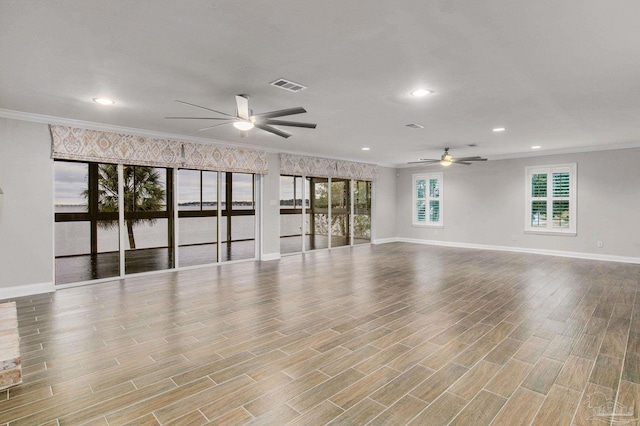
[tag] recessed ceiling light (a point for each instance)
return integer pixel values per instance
(243, 125)
(499, 129)
(418, 93)
(104, 101)
(366, 148)
(536, 147)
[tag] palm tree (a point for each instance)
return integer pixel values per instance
(143, 192)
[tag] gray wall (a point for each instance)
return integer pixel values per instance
(484, 204)
(26, 219)
(384, 211)
(271, 209)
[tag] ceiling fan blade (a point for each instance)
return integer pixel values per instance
(461, 162)
(425, 161)
(471, 159)
(211, 127)
(242, 106)
(281, 113)
(290, 123)
(208, 109)
(273, 130)
(197, 118)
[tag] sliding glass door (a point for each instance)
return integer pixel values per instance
(148, 218)
(86, 221)
(325, 213)
(115, 220)
(238, 221)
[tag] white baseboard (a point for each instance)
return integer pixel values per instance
(270, 256)
(386, 240)
(26, 290)
(577, 255)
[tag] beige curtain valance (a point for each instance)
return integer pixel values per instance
(326, 167)
(71, 143)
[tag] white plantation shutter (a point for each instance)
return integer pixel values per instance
(427, 199)
(551, 199)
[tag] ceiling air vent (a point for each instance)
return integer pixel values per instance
(288, 85)
(414, 126)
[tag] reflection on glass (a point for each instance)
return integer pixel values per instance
(149, 244)
(188, 190)
(539, 214)
(242, 245)
(539, 185)
(318, 229)
(290, 214)
(242, 191)
(70, 183)
(287, 192)
(362, 212)
(561, 184)
(144, 189)
(421, 185)
(209, 190)
(340, 212)
(86, 229)
(198, 227)
(151, 251)
(561, 214)
(72, 238)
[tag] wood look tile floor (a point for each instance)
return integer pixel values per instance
(379, 334)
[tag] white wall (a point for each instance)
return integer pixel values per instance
(484, 205)
(271, 210)
(26, 219)
(384, 209)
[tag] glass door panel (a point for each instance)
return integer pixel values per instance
(290, 214)
(318, 214)
(148, 218)
(340, 212)
(197, 217)
(86, 221)
(362, 212)
(238, 218)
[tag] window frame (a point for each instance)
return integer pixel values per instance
(414, 199)
(549, 170)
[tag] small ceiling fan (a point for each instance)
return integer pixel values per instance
(244, 120)
(447, 160)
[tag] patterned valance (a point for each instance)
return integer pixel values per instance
(326, 167)
(224, 159)
(70, 143)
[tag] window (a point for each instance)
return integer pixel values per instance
(427, 200)
(551, 199)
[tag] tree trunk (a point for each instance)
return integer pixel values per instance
(132, 240)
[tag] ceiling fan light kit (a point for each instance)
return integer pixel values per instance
(245, 121)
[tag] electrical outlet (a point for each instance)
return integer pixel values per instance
(435, 232)
(514, 238)
(600, 244)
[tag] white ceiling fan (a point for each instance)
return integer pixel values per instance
(244, 120)
(446, 160)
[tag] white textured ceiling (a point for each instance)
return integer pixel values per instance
(561, 74)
